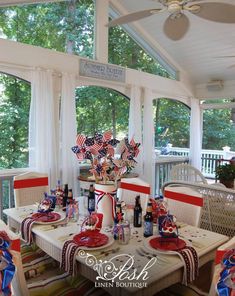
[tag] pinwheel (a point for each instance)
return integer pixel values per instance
(80, 149)
(99, 169)
(107, 145)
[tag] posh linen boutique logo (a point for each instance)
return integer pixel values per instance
(118, 271)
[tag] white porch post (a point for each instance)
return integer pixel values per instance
(148, 139)
(101, 31)
(195, 134)
(135, 124)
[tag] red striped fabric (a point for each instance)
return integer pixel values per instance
(182, 197)
(135, 187)
(27, 183)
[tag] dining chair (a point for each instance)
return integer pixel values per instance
(129, 188)
(183, 202)
(29, 188)
(186, 172)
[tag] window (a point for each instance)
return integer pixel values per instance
(100, 109)
(15, 96)
(172, 125)
(63, 26)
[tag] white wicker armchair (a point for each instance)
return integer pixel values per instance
(218, 211)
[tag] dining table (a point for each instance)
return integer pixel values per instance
(121, 269)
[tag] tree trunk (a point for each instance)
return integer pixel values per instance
(71, 14)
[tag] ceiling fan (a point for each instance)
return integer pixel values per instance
(177, 23)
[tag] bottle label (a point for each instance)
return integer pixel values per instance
(91, 204)
(139, 218)
(148, 228)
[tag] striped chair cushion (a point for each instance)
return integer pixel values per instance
(65, 285)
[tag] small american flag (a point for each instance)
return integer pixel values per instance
(89, 141)
(107, 136)
(80, 140)
(75, 149)
(95, 148)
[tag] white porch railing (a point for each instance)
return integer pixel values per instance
(180, 155)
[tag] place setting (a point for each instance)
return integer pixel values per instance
(44, 215)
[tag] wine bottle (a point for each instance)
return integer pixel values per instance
(70, 196)
(91, 199)
(148, 221)
(137, 212)
(65, 196)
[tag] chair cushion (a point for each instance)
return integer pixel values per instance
(65, 285)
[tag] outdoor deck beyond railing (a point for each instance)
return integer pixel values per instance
(176, 155)
(6, 188)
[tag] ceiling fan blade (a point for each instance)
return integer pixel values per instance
(225, 57)
(232, 66)
(133, 17)
(217, 12)
(176, 28)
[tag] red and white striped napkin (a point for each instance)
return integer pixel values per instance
(189, 257)
(68, 258)
(26, 227)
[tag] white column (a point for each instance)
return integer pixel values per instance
(195, 134)
(135, 124)
(148, 139)
(101, 31)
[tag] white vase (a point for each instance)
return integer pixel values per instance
(105, 202)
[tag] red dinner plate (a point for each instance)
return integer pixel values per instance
(167, 244)
(46, 217)
(91, 239)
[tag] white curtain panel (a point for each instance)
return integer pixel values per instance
(43, 147)
(68, 131)
(195, 134)
(135, 125)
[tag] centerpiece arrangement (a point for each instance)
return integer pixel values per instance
(106, 166)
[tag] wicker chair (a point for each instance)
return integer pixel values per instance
(186, 172)
(29, 188)
(218, 211)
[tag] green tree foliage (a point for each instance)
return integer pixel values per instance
(14, 117)
(172, 120)
(218, 129)
(101, 109)
(59, 26)
(124, 51)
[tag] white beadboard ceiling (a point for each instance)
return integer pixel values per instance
(196, 53)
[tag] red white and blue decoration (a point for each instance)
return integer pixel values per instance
(7, 267)
(226, 283)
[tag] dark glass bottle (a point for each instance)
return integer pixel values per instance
(65, 196)
(70, 196)
(148, 221)
(91, 199)
(137, 212)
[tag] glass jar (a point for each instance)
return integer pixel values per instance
(123, 232)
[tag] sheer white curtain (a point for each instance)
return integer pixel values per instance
(135, 124)
(68, 132)
(43, 147)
